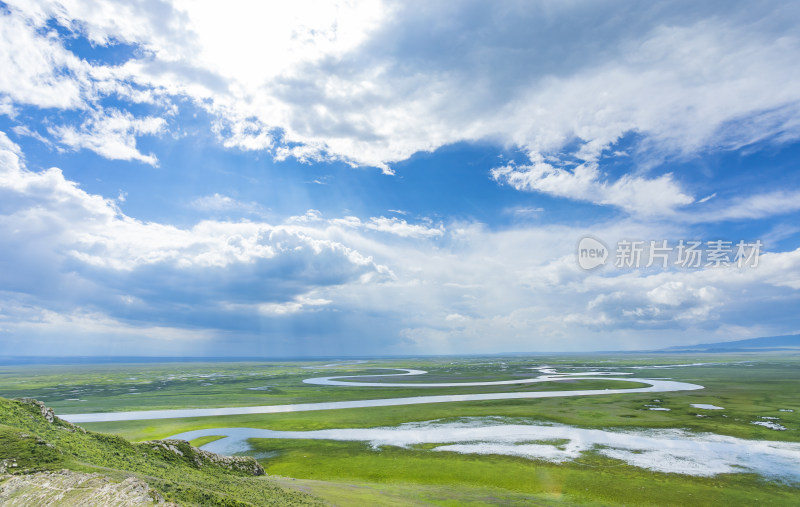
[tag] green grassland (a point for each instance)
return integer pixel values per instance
(104, 388)
(748, 390)
(749, 386)
(375, 494)
(593, 479)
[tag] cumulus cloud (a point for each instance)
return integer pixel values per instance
(85, 265)
(78, 252)
(664, 305)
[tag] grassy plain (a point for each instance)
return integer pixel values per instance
(749, 386)
(121, 387)
(593, 479)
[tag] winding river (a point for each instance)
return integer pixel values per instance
(663, 450)
(550, 375)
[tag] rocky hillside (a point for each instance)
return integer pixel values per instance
(45, 460)
(66, 488)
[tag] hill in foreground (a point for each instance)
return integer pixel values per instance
(45, 460)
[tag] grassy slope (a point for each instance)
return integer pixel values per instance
(27, 439)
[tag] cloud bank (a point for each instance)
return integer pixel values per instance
(371, 83)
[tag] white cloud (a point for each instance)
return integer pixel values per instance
(636, 305)
(311, 215)
(525, 211)
(30, 329)
(460, 288)
(111, 134)
(402, 228)
(707, 198)
(22, 130)
(659, 195)
(393, 225)
(224, 203)
(7, 107)
(371, 83)
(64, 240)
(290, 34)
(246, 134)
(778, 202)
(299, 304)
(99, 327)
(10, 150)
(36, 68)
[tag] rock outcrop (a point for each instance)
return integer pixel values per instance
(46, 411)
(200, 458)
(50, 416)
(67, 488)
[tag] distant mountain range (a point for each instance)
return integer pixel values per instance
(765, 344)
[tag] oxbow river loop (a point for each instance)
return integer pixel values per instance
(548, 375)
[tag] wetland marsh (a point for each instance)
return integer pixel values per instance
(610, 446)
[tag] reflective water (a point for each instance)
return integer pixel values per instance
(672, 450)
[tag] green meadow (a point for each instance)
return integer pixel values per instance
(750, 387)
(113, 388)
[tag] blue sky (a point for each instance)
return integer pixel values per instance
(362, 178)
